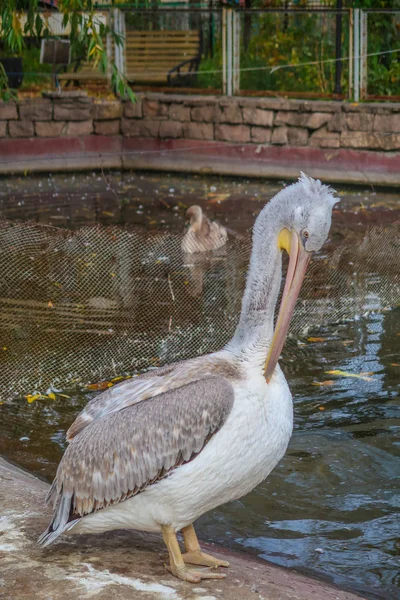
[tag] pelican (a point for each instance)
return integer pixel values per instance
(156, 452)
(203, 234)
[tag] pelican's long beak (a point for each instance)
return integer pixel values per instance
(298, 263)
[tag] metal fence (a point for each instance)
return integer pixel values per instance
(317, 51)
(378, 33)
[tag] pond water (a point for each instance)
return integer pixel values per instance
(331, 506)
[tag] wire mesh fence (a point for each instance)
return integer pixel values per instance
(106, 302)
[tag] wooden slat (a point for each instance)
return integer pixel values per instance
(150, 36)
(151, 59)
(164, 33)
(159, 39)
(153, 66)
(194, 49)
(82, 76)
(146, 77)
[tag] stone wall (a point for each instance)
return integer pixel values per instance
(250, 121)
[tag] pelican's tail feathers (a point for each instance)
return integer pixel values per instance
(61, 521)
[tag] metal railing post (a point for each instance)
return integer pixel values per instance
(351, 25)
(363, 53)
(229, 52)
(356, 55)
(224, 69)
(338, 54)
(109, 46)
(123, 47)
(236, 52)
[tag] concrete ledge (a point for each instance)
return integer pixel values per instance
(198, 156)
(119, 565)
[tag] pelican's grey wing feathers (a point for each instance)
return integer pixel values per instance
(148, 385)
(121, 454)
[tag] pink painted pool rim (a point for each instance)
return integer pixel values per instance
(196, 156)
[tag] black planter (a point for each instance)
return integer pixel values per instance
(13, 68)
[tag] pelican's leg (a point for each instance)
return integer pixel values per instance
(177, 565)
(194, 555)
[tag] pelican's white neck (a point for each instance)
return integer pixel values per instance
(254, 332)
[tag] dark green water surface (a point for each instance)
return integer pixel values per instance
(331, 506)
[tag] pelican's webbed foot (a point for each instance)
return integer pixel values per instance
(194, 555)
(178, 562)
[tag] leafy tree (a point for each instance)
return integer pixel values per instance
(87, 36)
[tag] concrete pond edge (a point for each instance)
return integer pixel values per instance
(122, 565)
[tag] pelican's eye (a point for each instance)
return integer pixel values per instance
(304, 236)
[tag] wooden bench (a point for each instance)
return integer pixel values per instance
(162, 57)
(82, 72)
(151, 57)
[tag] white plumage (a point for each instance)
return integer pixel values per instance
(260, 424)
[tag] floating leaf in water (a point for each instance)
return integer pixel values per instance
(32, 397)
(50, 304)
(355, 375)
(64, 396)
(324, 383)
(315, 340)
(394, 364)
(51, 395)
(106, 213)
(216, 198)
(321, 407)
(102, 385)
(4, 348)
(347, 342)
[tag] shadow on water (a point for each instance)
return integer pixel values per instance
(95, 287)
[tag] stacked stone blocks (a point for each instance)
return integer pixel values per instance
(238, 120)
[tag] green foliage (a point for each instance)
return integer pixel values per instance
(87, 35)
(213, 79)
(292, 40)
(276, 40)
(383, 70)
